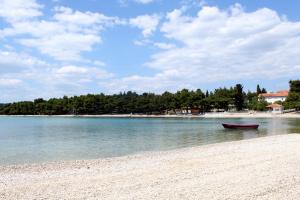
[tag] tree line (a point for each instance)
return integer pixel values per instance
(293, 100)
(221, 99)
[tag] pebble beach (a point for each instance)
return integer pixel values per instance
(261, 168)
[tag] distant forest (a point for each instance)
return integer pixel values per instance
(221, 99)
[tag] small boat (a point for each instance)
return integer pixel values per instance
(240, 126)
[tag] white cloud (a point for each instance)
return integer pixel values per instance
(12, 62)
(19, 10)
(53, 81)
(6, 82)
(150, 43)
(169, 80)
(193, 3)
(99, 63)
(163, 45)
(69, 80)
(78, 72)
(218, 45)
(66, 46)
(65, 37)
(148, 23)
(66, 70)
(24, 77)
(144, 1)
(125, 2)
(67, 15)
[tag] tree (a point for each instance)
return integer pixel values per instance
(263, 91)
(168, 101)
(239, 97)
(196, 98)
(222, 98)
(257, 103)
(261, 104)
(251, 97)
(258, 90)
(294, 86)
(293, 99)
(184, 99)
(206, 94)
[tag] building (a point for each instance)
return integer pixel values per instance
(184, 111)
(275, 108)
(275, 96)
(195, 111)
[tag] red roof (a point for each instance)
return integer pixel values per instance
(274, 105)
(283, 93)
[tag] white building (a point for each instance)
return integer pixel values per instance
(275, 108)
(275, 96)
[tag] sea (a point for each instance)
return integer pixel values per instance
(26, 140)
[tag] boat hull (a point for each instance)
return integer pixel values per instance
(241, 126)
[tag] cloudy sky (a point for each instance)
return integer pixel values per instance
(66, 47)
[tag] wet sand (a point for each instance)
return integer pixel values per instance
(262, 168)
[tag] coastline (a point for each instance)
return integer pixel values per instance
(206, 115)
(261, 168)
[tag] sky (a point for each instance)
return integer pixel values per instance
(65, 47)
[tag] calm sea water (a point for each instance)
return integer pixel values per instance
(43, 139)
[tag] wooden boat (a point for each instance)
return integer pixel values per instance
(240, 126)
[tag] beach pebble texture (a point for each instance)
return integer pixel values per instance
(263, 168)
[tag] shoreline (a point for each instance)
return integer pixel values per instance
(206, 115)
(260, 168)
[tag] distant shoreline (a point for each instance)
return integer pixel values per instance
(206, 115)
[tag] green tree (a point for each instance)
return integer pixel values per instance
(258, 90)
(264, 91)
(295, 86)
(239, 97)
(207, 94)
(293, 99)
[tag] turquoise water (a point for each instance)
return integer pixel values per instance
(43, 139)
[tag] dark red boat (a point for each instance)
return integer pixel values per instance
(241, 126)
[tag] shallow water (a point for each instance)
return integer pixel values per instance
(44, 139)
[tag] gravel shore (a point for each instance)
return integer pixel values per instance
(206, 115)
(262, 168)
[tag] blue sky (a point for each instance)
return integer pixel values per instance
(63, 47)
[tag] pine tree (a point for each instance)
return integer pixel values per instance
(258, 90)
(239, 97)
(207, 94)
(263, 90)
